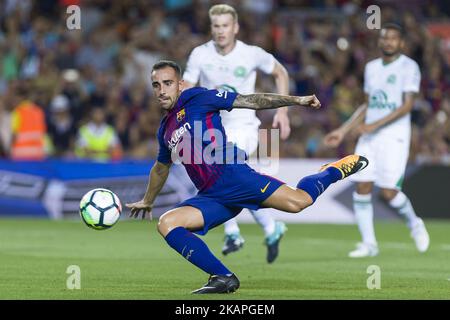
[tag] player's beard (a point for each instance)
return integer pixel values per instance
(167, 105)
(172, 102)
(390, 53)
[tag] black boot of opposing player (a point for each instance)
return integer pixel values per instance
(219, 284)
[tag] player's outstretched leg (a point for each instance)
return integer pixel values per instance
(311, 187)
(330, 173)
(233, 239)
(175, 226)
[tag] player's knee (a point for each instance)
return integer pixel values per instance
(162, 226)
(298, 201)
(166, 223)
(388, 194)
(364, 188)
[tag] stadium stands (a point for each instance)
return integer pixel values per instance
(323, 44)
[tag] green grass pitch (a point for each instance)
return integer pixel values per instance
(131, 261)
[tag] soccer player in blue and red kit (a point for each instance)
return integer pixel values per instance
(191, 132)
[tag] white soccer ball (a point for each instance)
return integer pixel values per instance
(100, 209)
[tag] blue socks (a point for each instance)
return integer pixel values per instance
(316, 184)
(195, 251)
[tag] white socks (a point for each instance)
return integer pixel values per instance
(362, 205)
(264, 219)
(404, 207)
(231, 226)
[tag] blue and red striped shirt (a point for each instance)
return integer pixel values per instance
(192, 133)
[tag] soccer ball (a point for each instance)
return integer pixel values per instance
(100, 209)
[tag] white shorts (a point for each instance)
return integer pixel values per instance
(245, 137)
(387, 157)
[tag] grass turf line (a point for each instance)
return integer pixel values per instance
(131, 261)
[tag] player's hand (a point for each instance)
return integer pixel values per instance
(310, 101)
(281, 120)
(334, 138)
(139, 206)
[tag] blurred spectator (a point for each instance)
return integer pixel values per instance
(143, 142)
(64, 55)
(315, 136)
(97, 140)
(61, 126)
(346, 97)
(5, 129)
(29, 129)
(323, 44)
(95, 53)
(76, 90)
(137, 65)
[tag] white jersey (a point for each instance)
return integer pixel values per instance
(235, 72)
(385, 85)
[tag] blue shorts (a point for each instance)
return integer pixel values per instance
(239, 187)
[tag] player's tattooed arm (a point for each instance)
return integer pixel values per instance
(260, 101)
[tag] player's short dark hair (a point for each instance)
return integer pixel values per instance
(394, 26)
(167, 63)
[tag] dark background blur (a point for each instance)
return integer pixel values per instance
(106, 64)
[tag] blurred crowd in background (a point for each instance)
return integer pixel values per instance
(90, 88)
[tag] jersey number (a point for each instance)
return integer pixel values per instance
(222, 94)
